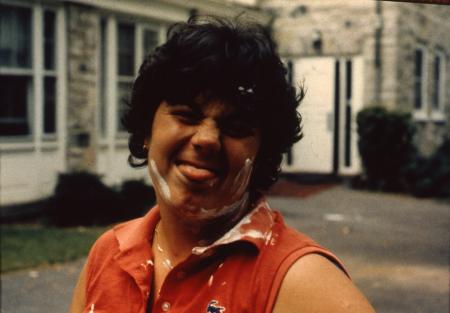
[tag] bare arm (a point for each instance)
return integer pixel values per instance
(314, 284)
(79, 293)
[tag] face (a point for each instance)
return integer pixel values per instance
(201, 158)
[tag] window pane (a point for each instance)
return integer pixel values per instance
(150, 40)
(436, 82)
(49, 105)
(49, 40)
(126, 50)
(15, 36)
(418, 60)
(418, 79)
(123, 97)
(16, 92)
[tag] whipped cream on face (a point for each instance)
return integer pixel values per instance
(160, 183)
(243, 177)
(240, 184)
(217, 212)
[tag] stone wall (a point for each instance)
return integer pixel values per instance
(346, 28)
(427, 25)
(82, 50)
(351, 28)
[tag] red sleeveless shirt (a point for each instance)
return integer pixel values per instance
(240, 272)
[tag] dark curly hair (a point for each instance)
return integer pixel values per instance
(233, 61)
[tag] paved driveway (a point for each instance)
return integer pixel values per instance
(395, 247)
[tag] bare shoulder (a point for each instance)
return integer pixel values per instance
(314, 284)
(79, 297)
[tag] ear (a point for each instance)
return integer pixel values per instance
(146, 143)
(145, 147)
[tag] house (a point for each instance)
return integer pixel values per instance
(354, 54)
(65, 69)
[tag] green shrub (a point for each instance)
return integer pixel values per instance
(81, 198)
(138, 197)
(430, 177)
(386, 147)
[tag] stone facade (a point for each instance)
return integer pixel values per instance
(82, 56)
(427, 25)
(385, 33)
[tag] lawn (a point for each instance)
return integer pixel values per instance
(30, 245)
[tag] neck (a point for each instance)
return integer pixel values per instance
(177, 236)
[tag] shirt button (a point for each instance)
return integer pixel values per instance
(165, 306)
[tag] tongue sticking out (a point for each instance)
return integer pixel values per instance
(196, 173)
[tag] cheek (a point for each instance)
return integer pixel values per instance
(164, 141)
(241, 152)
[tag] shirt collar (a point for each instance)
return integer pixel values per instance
(255, 228)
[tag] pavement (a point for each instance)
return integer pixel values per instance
(395, 247)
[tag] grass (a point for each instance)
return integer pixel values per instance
(31, 245)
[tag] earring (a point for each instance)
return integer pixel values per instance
(144, 146)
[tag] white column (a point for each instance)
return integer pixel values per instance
(61, 88)
(37, 77)
(37, 111)
(111, 94)
(138, 48)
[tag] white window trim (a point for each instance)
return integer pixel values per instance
(113, 137)
(112, 79)
(438, 114)
(61, 91)
(102, 81)
(421, 114)
(36, 138)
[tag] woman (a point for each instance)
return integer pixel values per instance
(211, 115)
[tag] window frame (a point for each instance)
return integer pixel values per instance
(421, 112)
(125, 79)
(110, 133)
(37, 137)
(50, 73)
(438, 108)
(29, 72)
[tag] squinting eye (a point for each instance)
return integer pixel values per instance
(238, 129)
(187, 116)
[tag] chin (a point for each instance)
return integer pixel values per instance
(199, 210)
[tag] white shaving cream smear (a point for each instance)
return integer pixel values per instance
(240, 184)
(160, 182)
(236, 233)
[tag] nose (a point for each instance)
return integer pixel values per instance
(207, 138)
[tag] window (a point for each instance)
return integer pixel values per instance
(49, 73)
(21, 69)
(15, 99)
(420, 80)
(15, 37)
(126, 66)
(123, 45)
(16, 76)
(438, 84)
(151, 40)
(134, 42)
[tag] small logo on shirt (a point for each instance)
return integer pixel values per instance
(213, 307)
